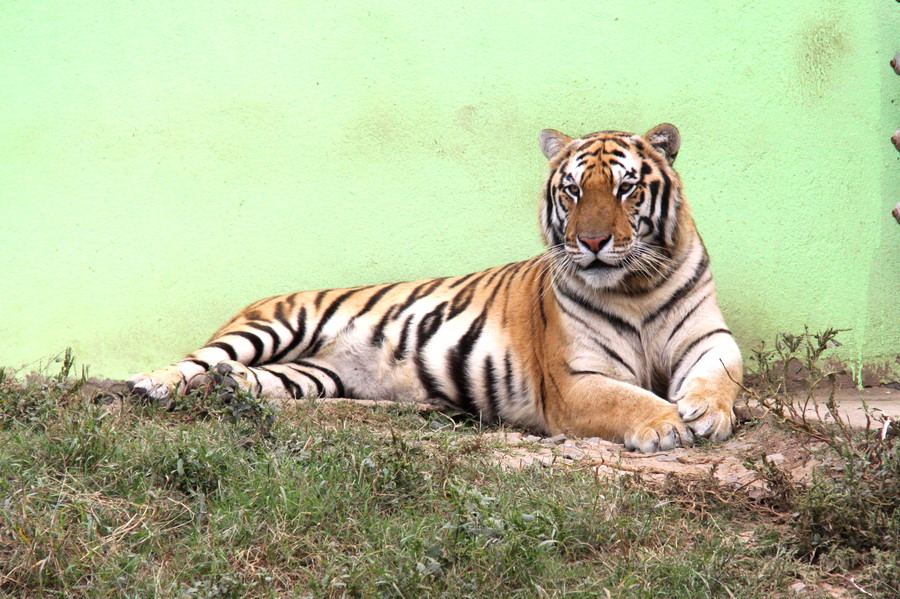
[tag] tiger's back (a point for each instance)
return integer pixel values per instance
(593, 337)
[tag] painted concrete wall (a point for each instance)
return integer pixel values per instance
(164, 163)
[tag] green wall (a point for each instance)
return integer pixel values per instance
(165, 163)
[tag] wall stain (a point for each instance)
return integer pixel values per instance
(822, 45)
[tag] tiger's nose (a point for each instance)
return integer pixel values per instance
(593, 243)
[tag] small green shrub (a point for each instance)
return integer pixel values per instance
(849, 515)
(32, 402)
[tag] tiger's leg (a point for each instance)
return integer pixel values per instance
(705, 384)
(259, 334)
(595, 405)
(235, 347)
(276, 330)
(294, 380)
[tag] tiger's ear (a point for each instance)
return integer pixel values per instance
(552, 142)
(665, 139)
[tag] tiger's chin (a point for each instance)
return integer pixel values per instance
(621, 276)
(600, 275)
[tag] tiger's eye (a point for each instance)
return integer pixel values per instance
(625, 188)
(573, 190)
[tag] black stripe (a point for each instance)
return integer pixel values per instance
(427, 327)
(400, 350)
(226, 347)
(682, 291)
(548, 212)
(290, 386)
(506, 274)
(676, 388)
(428, 381)
(320, 388)
(429, 324)
(495, 272)
(297, 338)
(254, 340)
(659, 382)
(612, 353)
(642, 192)
(509, 377)
(461, 280)
(617, 163)
(255, 378)
(615, 356)
(374, 300)
(469, 290)
(315, 342)
(654, 194)
(584, 146)
(542, 281)
(554, 382)
(279, 313)
(419, 292)
(497, 286)
(200, 363)
(664, 205)
(462, 300)
(693, 344)
(317, 301)
(267, 329)
(458, 358)
(690, 312)
(618, 324)
(378, 330)
(338, 385)
(490, 383)
(644, 220)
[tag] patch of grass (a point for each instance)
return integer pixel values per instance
(37, 401)
(214, 498)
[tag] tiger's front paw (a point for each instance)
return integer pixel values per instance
(706, 410)
(663, 431)
(151, 386)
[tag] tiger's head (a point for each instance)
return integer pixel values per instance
(612, 205)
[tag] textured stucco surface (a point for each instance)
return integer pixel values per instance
(165, 163)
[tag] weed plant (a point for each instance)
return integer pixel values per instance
(849, 516)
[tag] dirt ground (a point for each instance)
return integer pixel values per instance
(734, 463)
(729, 462)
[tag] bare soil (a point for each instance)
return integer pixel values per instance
(737, 464)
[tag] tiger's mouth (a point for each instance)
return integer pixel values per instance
(600, 262)
(598, 265)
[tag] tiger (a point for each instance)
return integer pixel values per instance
(614, 331)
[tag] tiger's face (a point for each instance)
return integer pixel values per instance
(611, 203)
